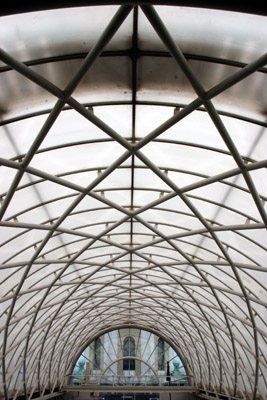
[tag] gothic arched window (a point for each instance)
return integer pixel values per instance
(161, 355)
(97, 353)
(129, 351)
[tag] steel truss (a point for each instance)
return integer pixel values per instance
(106, 259)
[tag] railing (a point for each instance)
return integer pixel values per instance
(121, 380)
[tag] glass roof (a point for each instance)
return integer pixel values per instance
(133, 189)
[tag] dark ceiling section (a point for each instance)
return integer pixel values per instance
(14, 7)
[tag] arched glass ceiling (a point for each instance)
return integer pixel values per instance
(133, 189)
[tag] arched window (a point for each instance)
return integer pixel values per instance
(97, 353)
(129, 351)
(161, 355)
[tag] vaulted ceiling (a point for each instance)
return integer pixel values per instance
(133, 189)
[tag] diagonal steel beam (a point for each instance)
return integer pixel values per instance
(92, 56)
(113, 26)
(178, 56)
(182, 62)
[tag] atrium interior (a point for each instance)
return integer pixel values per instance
(133, 193)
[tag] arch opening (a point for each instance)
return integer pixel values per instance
(129, 356)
